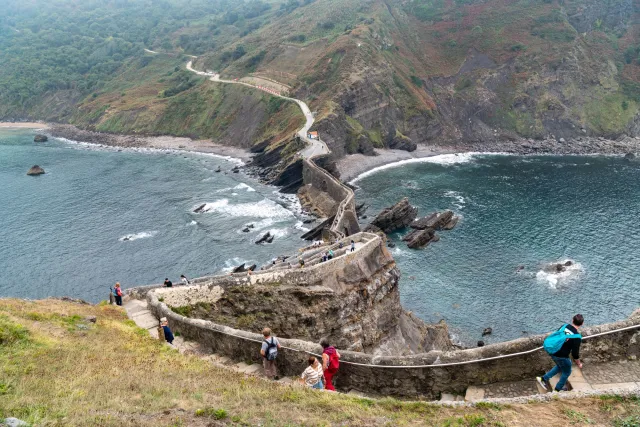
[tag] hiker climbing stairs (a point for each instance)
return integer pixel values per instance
(138, 311)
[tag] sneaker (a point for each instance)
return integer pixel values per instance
(543, 383)
(562, 389)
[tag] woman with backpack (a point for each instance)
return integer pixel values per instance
(269, 352)
(330, 363)
(117, 293)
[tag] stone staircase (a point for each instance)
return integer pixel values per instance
(138, 311)
(619, 375)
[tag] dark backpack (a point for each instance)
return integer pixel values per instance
(272, 350)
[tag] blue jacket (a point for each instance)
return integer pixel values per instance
(167, 334)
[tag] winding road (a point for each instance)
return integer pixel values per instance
(314, 147)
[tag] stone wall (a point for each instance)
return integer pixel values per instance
(459, 369)
(318, 184)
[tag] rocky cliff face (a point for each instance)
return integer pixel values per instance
(358, 308)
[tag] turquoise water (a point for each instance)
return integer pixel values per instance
(518, 211)
(64, 233)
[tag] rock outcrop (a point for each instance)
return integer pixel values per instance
(35, 170)
(394, 218)
(438, 221)
(266, 238)
(40, 138)
(420, 238)
(200, 209)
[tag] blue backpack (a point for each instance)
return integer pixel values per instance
(553, 343)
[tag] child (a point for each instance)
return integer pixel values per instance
(167, 332)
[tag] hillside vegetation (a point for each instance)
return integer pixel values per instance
(57, 368)
(379, 73)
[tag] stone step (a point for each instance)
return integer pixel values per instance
(449, 397)
(146, 321)
(474, 393)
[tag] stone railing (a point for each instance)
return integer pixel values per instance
(345, 222)
(424, 375)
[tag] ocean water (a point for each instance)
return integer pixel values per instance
(517, 212)
(99, 216)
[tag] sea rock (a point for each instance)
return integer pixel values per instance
(265, 238)
(246, 230)
(92, 319)
(309, 221)
(394, 218)
(630, 156)
(236, 169)
(421, 238)
(35, 170)
(391, 245)
(200, 209)
(239, 269)
(40, 138)
(437, 221)
(487, 331)
(252, 267)
(270, 239)
(218, 170)
(452, 223)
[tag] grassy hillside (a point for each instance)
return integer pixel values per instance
(379, 73)
(57, 368)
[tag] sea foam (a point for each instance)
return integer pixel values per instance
(262, 209)
(441, 159)
(136, 236)
(553, 279)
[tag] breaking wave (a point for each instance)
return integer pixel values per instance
(441, 159)
(554, 278)
(262, 209)
(136, 236)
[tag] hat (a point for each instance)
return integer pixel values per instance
(163, 319)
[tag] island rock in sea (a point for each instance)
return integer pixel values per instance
(393, 218)
(40, 138)
(35, 170)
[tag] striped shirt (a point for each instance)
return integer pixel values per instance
(312, 375)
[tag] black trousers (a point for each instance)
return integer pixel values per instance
(118, 300)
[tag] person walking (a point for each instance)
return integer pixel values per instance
(117, 293)
(312, 376)
(560, 344)
(330, 363)
(167, 283)
(269, 352)
(353, 246)
(168, 335)
(184, 280)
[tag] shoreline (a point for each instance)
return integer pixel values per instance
(23, 125)
(353, 167)
(164, 142)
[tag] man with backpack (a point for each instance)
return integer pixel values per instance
(560, 344)
(330, 363)
(269, 352)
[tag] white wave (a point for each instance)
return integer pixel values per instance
(262, 209)
(553, 279)
(279, 233)
(299, 226)
(291, 201)
(441, 159)
(242, 186)
(232, 263)
(136, 236)
(94, 146)
(461, 201)
(234, 194)
(193, 223)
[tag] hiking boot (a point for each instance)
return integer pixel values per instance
(545, 384)
(562, 389)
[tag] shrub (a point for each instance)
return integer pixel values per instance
(12, 333)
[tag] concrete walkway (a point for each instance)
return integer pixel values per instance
(620, 375)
